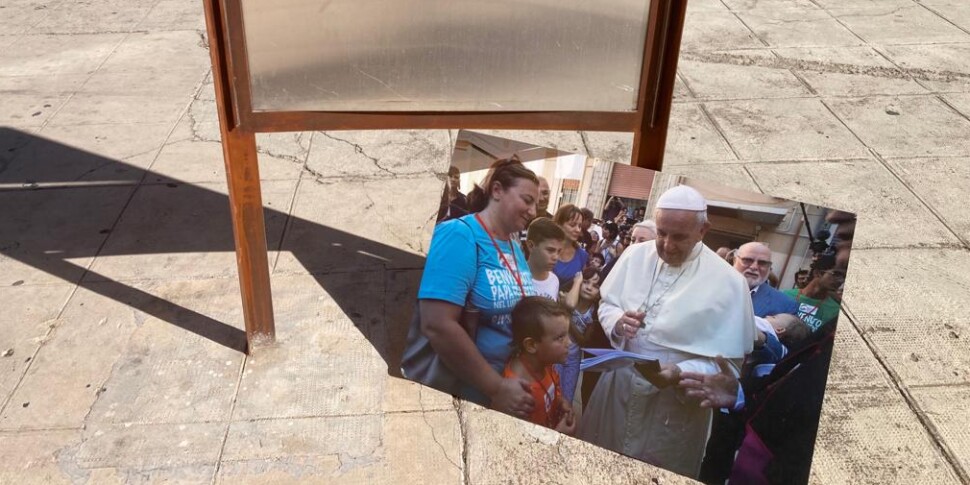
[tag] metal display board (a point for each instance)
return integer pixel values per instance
(306, 65)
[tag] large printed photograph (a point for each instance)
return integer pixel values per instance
(673, 320)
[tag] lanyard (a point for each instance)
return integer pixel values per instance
(515, 272)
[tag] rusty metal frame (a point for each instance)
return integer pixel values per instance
(239, 124)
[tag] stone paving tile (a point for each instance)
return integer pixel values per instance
(743, 5)
(725, 80)
(168, 374)
(364, 224)
(174, 15)
(960, 102)
(853, 363)
(788, 129)
(706, 6)
(692, 137)
(40, 457)
(150, 446)
(865, 187)
(50, 84)
(905, 126)
(46, 55)
(612, 146)
(849, 451)
(566, 141)
(189, 158)
(404, 448)
(88, 17)
(908, 304)
(797, 27)
(716, 31)
(28, 312)
(940, 67)
(160, 52)
(52, 236)
(86, 153)
(19, 18)
(848, 71)
(120, 109)
(180, 84)
(330, 356)
(30, 110)
(955, 11)
(947, 408)
(729, 174)
(898, 24)
(374, 154)
(941, 183)
(502, 449)
(177, 231)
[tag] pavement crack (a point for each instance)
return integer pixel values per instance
(434, 436)
(360, 151)
(463, 443)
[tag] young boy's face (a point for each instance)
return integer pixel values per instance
(590, 289)
(546, 253)
(553, 347)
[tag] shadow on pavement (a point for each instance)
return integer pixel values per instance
(61, 203)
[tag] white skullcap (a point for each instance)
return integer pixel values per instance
(682, 197)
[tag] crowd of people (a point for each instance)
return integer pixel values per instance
(502, 320)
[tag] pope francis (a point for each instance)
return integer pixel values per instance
(674, 300)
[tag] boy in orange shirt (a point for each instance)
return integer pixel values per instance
(540, 333)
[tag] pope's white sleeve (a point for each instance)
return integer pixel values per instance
(700, 365)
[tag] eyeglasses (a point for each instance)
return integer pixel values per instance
(762, 263)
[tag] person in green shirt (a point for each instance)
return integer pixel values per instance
(816, 307)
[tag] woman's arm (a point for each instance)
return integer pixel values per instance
(440, 324)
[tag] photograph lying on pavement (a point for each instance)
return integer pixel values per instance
(674, 320)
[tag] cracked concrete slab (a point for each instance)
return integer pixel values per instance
(39, 55)
(905, 126)
(150, 446)
(356, 212)
(902, 303)
(503, 449)
(784, 129)
(730, 173)
(187, 223)
(849, 71)
(946, 408)
(714, 30)
(941, 67)
(40, 457)
(34, 309)
(848, 449)
(865, 187)
(797, 27)
(726, 80)
(940, 183)
(698, 140)
(363, 154)
(404, 448)
(895, 23)
(51, 237)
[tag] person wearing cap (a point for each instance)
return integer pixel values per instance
(816, 305)
(674, 300)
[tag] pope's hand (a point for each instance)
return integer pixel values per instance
(628, 324)
(713, 390)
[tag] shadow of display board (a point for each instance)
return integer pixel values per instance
(300, 65)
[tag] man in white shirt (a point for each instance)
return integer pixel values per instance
(674, 300)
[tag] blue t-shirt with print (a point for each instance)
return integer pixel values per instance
(566, 270)
(463, 264)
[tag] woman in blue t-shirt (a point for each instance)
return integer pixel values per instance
(477, 270)
(573, 257)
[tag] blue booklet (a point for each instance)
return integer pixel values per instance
(602, 360)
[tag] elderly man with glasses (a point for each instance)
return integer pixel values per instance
(753, 261)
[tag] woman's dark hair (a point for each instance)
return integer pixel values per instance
(505, 172)
(566, 214)
(542, 229)
(527, 318)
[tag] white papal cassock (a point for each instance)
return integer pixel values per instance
(695, 312)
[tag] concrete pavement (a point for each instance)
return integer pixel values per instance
(119, 304)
